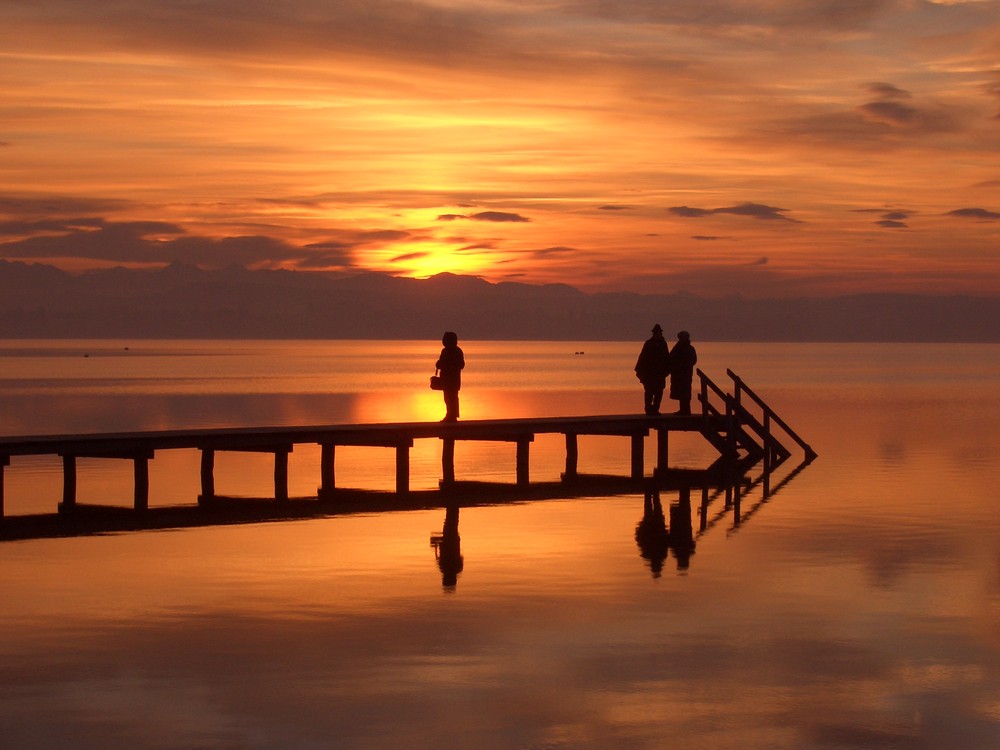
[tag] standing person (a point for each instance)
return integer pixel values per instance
(450, 363)
(683, 358)
(651, 368)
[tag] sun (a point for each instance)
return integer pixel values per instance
(421, 260)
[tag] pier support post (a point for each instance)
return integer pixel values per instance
(327, 472)
(448, 461)
(281, 474)
(141, 497)
(4, 461)
(403, 469)
(662, 444)
(522, 461)
(638, 467)
(572, 456)
(207, 475)
(69, 485)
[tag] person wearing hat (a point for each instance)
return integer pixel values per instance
(683, 358)
(651, 368)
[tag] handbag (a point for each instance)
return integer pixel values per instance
(437, 383)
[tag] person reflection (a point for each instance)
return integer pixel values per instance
(651, 533)
(450, 363)
(651, 368)
(448, 550)
(681, 533)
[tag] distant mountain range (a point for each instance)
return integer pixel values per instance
(181, 301)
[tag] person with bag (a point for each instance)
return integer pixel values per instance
(449, 378)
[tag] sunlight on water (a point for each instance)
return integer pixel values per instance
(855, 606)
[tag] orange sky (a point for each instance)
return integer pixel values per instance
(774, 148)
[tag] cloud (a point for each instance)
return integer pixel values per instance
(328, 255)
(754, 210)
(710, 18)
(497, 216)
(974, 213)
(887, 91)
(707, 237)
(688, 212)
(41, 226)
(408, 256)
(556, 250)
(889, 116)
(27, 208)
(614, 208)
(501, 216)
(161, 243)
(891, 219)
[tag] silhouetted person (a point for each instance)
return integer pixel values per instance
(651, 533)
(683, 358)
(651, 368)
(448, 549)
(450, 364)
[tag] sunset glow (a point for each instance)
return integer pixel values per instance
(771, 148)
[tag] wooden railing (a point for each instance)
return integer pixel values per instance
(744, 428)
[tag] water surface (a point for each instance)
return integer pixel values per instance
(858, 607)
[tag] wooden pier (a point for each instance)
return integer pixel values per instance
(737, 423)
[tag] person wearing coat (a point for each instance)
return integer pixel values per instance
(450, 364)
(683, 358)
(651, 368)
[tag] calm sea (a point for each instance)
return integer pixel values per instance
(857, 607)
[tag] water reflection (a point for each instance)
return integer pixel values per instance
(656, 540)
(448, 549)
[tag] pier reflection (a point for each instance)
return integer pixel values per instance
(729, 496)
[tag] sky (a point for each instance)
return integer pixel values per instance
(768, 148)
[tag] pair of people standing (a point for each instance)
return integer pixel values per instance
(656, 361)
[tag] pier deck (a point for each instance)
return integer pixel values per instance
(724, 421)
